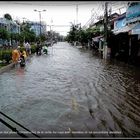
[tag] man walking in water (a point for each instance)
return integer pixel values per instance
(38, 48)
(15, 55)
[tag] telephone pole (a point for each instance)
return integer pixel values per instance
(106, 50)
(76, 14)
(40, 18)
(106, 21)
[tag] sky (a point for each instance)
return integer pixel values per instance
(57, 12)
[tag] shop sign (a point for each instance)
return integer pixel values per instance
(118, 24)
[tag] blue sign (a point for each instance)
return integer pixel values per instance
(133, 12)
(120, 23)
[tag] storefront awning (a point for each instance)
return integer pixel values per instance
(124, 29)
(135, 30)
(130, 21)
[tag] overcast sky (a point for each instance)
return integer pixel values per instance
(57, 12)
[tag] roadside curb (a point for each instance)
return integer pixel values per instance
(11, 65)
(5, 68)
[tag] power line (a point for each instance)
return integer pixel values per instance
(90, 21)
(77, 14)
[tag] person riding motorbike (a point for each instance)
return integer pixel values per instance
(45, 49)
(22, 59)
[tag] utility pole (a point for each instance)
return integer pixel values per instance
(106, 21)
(51, 32)
(40, 21)
(76, 14)
(40, 18)
(92, 16)
(105, 50)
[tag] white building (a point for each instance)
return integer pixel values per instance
(9, 25)
(37, 27)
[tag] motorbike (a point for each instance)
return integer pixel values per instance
(22, 62)
(45, 51)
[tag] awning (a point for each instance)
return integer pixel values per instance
(130, 21)
(135, 30)
(124, 29)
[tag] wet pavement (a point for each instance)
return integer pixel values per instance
(72, 93)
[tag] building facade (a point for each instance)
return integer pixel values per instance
(38, 28)
(133, 19)
(9, 25)
(99, 40)
(126, 37)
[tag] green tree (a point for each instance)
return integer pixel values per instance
(73, 34)
(83, 36)
(43, 37)
(15, 36)
(4, 34)
(26, 33)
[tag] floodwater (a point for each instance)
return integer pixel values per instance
(72, 93)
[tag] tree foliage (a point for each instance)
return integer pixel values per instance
(15, 36)
(4, 34)
(43, 37)
(81, 35)
(26, 33)
(73, 34)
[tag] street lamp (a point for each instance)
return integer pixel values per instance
(39, 17)
(23, 26)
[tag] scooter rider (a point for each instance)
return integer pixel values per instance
(22, 59)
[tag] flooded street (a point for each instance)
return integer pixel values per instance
(73, 91)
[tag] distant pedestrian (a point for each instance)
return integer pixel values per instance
(24, 45)
(28, 48)
(38, 48)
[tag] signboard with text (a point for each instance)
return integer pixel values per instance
(118, 24)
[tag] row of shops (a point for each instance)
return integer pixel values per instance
(124, 41)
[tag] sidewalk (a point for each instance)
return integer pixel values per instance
(5, 68)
